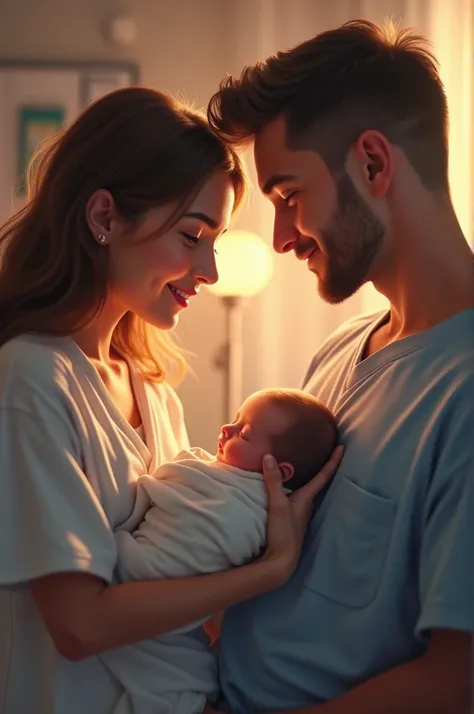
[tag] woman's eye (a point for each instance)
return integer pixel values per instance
(192, 239)
(290, 199)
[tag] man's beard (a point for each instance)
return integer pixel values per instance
(350, 244)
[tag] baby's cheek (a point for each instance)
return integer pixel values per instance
(253, 458)
(236, 451)
(238, 455)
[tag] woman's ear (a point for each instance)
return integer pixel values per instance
(287, 471)
(100, 211)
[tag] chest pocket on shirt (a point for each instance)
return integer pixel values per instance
(352, 546)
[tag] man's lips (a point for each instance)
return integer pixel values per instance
(313, 259)
(305, 255)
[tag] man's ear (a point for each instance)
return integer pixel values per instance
(372, 161)
(287, 471)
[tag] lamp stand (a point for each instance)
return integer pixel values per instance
(230, 357)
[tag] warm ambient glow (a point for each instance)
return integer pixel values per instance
(245, 264)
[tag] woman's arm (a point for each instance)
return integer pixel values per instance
(85, 616)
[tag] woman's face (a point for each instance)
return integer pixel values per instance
(156, 274)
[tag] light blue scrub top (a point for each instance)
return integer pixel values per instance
(389, 553)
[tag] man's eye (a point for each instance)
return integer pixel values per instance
(290, 199)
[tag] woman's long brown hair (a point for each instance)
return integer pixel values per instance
(147, 150)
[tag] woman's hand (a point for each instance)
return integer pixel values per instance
(288, 516)
(85, 616)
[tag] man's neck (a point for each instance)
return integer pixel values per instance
(428, 278)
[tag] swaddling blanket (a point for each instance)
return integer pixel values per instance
(198, 516)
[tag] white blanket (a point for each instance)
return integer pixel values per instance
(199, 516)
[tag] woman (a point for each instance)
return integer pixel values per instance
(117, 237)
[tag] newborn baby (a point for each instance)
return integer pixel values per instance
(293, 426)
(200, 514)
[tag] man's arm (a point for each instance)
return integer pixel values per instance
(439, 682)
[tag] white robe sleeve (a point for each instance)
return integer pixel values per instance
(50, 518)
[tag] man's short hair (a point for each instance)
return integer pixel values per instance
(338, 84)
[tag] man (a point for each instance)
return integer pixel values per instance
(350, 143)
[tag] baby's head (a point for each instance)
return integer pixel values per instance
(292, 425)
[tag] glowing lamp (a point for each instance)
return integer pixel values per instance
(245, 266)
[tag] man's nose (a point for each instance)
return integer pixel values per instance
(285, 236)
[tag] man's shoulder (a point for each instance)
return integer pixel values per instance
(343, 338)
(354, 326)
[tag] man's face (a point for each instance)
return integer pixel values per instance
(323, 219)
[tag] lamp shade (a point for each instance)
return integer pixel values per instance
(245, 264)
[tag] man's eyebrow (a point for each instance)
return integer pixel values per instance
(275, 180)
(211, 222)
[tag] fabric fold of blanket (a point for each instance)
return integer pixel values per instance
(197, 516)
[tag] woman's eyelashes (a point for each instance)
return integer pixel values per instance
(193, 240)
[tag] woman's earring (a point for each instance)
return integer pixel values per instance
(102, 239)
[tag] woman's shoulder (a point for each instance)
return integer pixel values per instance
(34, 362)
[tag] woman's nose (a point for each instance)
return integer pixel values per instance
(206, 272)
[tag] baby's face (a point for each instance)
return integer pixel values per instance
(251, 435)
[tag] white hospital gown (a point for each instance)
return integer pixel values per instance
(69, 465)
